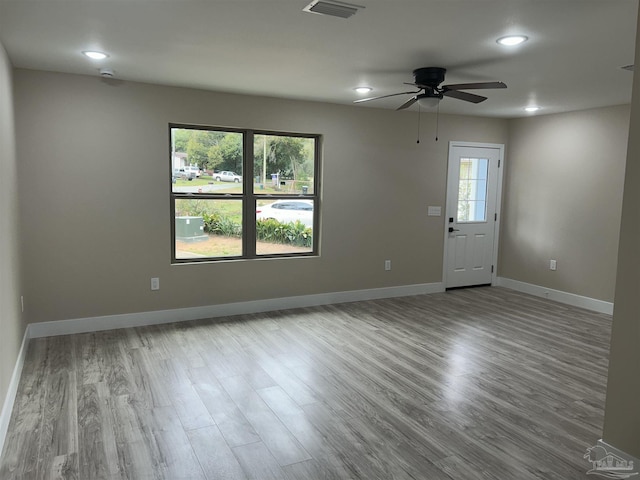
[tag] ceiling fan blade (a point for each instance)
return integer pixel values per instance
(474, 86)
(408, 103)
(467, 97)
(385, 96)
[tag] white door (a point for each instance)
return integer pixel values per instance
(471, 221)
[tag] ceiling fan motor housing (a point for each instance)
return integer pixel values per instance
(429, 77)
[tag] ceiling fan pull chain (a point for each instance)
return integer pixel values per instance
(418, 124)
(437, 119)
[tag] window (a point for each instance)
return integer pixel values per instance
(472, 190)
(243, 194)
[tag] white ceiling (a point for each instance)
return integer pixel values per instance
(271, 47)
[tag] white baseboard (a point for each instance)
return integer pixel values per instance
(110, 322)
(592, 304)
(9, 399)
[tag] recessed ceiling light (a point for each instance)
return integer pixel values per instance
(363, 89)
(512, 40)
(92, 54)
(532, 108)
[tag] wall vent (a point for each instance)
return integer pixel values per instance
(332, 8)
(628, 68)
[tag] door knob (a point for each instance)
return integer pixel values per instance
(451, 229)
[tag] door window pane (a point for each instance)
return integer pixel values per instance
(472, 190)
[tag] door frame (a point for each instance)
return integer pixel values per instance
(496, 227)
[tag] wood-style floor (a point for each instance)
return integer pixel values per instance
(483, 383)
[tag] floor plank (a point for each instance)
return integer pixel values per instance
(276, 437)
(96, 435)
(231, 422)
(215, 456)
(258, 463)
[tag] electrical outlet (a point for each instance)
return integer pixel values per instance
(553, 265)
(155, 283)
(387, 264)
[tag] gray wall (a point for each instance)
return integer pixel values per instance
(11, 326)
(622, 415)
(94, 169)
(562, 200)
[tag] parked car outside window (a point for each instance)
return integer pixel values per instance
(193, 169)
(182, 173)
(226, 176)
(285, 211)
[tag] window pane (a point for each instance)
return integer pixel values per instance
(472, 190)
(284, 226)
(206, 161)
(283, 165)
(208, 228)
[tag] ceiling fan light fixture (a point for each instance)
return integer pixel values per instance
(333, 8)
(512, 40)
(428, 102)
(363, 90)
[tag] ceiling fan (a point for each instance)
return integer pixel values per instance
(428, 80)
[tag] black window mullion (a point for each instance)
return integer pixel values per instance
(249, 203)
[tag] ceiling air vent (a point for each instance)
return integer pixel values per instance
(628, 68)
(332, 8)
